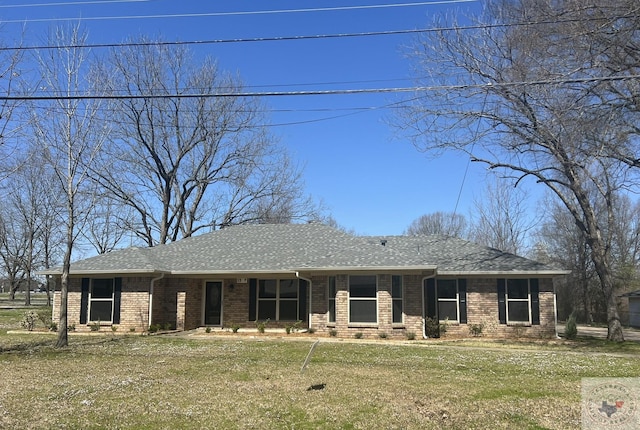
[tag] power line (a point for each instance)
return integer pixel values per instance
(241, 13)
(322, 92)
(73, 3)
(313, 36)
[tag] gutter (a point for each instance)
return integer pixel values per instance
(309, 312)
(151, 285)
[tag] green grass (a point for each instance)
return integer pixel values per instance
(164, 382)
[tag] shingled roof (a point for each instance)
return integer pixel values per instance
(286, 248)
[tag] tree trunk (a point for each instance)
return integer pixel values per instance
(63, 339)
(599, 258)
(63, 331)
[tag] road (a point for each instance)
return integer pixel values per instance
(601, 332)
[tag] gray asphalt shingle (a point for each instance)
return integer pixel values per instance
(289, 247)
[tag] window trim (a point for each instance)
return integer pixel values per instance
(507, 300)
(456, 300)
(363, 299)
(91, 300)
(278, 299)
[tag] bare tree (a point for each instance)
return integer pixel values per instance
(13, 248)
(186, 159)
(566, 245)
(517, 98)
(66, 130)
(501, 218)
(444, 223)
(12, 85)
(108, 224)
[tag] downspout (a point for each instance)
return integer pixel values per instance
(555, 307)
(309, 302)
(151, 285)
(424, 316)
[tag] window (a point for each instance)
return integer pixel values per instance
(518, 301)
(101, 300)
(332, 299)
(396, 299)
(447, 299)
(363, 299)
(278, 299)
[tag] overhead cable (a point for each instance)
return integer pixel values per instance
(312, 36)
(322, 92)
(239, 13)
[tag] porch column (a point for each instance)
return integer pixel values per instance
(181, 310)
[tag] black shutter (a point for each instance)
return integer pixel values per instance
(302, 299)
(84, 300)
(117, 294)
(462, 294)
(430, 299)
(535, 301)
(253, 294)
(502, 304)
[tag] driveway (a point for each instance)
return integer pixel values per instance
(601, 332)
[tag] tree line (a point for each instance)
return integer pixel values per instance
(128, 148)
(544, 91)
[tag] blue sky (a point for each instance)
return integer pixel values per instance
(370, 179)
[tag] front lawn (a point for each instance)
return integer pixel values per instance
(167, 382)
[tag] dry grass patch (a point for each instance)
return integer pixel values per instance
(171, 382)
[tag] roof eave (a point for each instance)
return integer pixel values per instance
(547, 273)
(104, 272)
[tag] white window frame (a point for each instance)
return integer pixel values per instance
(507, 300)
(447, 299)
(397, 299)
(92, 299)
(368, 299)
(279, 299)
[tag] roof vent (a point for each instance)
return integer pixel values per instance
(383, 242)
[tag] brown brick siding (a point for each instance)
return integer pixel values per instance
(178, 302)
(134, 304)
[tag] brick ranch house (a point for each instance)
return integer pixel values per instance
(323, 277)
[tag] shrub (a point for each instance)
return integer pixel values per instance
(71, 327)
(95, 326)
(358, 335)
(571, 329)
(432, 327)
(262, 325)
(207, 330)
(287, 329)
(53, 326)
(44, 315)
(411, 335)
(29, 320)
(235, 328)
(311, 330)
(476, 329)
(153, 328)
(333, 332)
(382, 335)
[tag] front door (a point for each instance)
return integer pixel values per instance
(213, 303)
